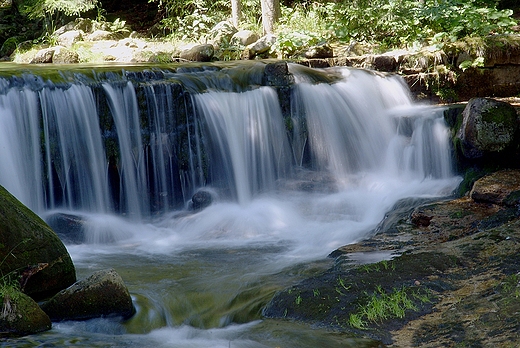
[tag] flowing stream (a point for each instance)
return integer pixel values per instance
(124, 152)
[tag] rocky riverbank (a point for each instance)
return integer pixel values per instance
(448, 275)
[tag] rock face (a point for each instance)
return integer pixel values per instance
(20, 315)
(100, 295)
(488, 126)
(30, 248)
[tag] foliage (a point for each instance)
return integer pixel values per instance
(395, 23)
(41, 9)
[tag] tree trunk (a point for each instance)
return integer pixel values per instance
(270, 14)
(236, 12)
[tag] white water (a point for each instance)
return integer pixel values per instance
(364, 143)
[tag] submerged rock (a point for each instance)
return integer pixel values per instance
(201, 199)
(32, 250)
(103, 294)
(70, 228)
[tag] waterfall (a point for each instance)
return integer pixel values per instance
(251, 148)
(140, 144)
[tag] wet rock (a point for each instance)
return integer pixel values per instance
(488, 126)
(277, 74)
(198, 53)
(103, 294)
(502, 187)
(28, 243)
(244, 37)
(20, 315)
(465, 259)
(420, 219)
(201, 199)
(68, 227)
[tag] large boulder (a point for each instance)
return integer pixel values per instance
(43, 56)
(64, 55)
(20, 315)
(244, 37)
(103, 294)
(69, 38)
(31, 250)
(488, 126)
(263, 45)
(221, 33)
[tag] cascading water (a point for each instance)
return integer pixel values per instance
(126, 152)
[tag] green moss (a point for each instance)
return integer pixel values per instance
(382, 305)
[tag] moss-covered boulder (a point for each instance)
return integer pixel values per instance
(103, 294)
(20, 315)
(488, 126)
(32, 251)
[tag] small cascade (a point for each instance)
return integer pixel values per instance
(141, 143)
(133, 188)
(368, 123)
(247, 137)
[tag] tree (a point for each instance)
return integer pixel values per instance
(270, 14)
(236, 12)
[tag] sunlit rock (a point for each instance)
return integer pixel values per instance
(244, 37)
(99, 35)
(103, 294)
(221, 33)
(319, 51)
(64, 55)
(488, 126)
(501, 188)
(28, 244)
(263, 45)
(69, 38)
(43, 56)
(198, 53)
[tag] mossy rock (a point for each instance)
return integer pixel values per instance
(103, 294)
(32, 251)
(488, 126)
(20, 315)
